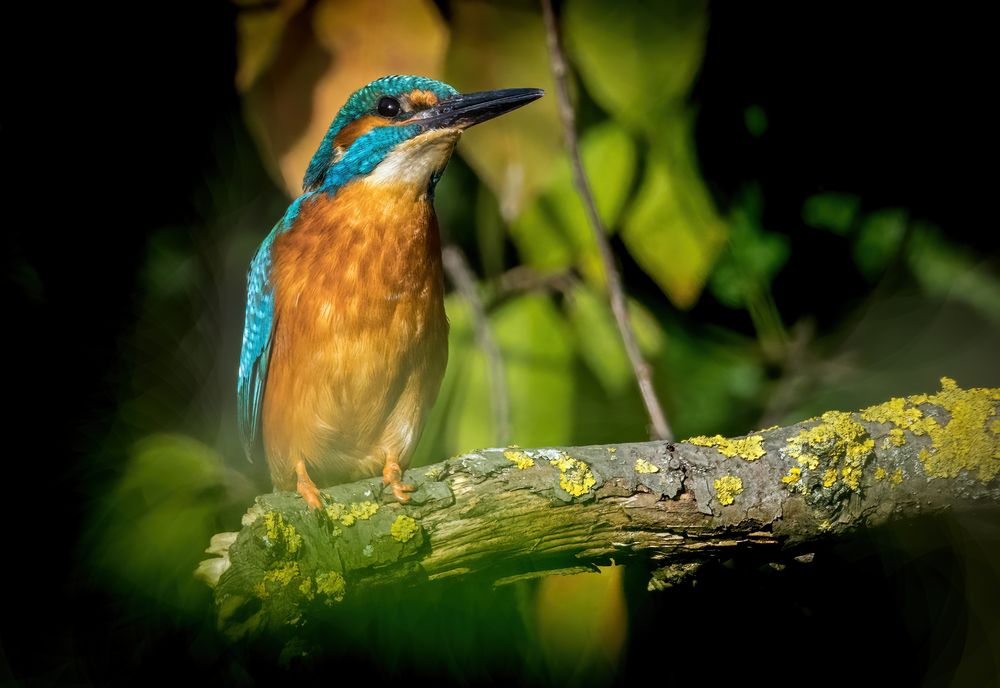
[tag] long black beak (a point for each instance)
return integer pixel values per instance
(466, 109)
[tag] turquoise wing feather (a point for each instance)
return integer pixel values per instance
(257, 330)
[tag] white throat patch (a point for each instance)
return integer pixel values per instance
(413, 162)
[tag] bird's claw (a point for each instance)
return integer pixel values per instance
(392, 475)
(307, 488)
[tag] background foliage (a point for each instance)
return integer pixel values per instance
(795, 199)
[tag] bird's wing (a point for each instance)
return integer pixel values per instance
(257, 330)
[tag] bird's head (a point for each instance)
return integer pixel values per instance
(402, 130)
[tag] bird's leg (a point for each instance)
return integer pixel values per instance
(392, 475)
(306, 487)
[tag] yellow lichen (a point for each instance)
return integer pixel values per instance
(810, 461)
(403, 528)
(896, 411)
(794, 475)
(278, 577)
(895, 438)
(520, 459)
(364, 510)
(749, 448)
(348, 514)
(825, 525)
(613, 450)
(726, 489)
(307, 588)
(643, 466)
(961, 444)
(880, 473)
(839, 441)
(332, 585)
(278, 531)
(575, 477)
(829, 477)
(897, 477)
(851, 476)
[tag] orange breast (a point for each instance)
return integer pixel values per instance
(360, 335)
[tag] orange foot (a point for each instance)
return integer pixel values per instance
(392, 475)
(306, 487)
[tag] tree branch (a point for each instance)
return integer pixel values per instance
(616, 292)
(506, 514)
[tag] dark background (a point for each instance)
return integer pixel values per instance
(117, 125)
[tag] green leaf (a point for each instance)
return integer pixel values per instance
(499, 46)
(947, 270)
(673, 230)
(152, 527)
(537, 348)
(752, 259)
(878, 240)
(637, 59)
(554, 233)
(831, 211)
(598, 338)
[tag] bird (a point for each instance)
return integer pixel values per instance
(345, 338)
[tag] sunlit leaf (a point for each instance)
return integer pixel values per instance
(554, 232)
(598, 338)
(261, 29)
(672, 229)
(638, 60)
(537, 348)
(324, 53)
(499, 46)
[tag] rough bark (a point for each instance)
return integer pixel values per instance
(504, 514)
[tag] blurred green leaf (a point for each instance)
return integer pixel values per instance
(638, 60)
(159, 519)
(598, 339)
(538, 351)
(831, 211)
(673, 230)
(755, 119)
(648, 331)
(554, 232)
(945, 269)
(499, 46)
(716, 381)
(753, 258)
(878, 240)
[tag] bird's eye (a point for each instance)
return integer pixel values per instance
(388, 106)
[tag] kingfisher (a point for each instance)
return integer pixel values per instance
(345, 339)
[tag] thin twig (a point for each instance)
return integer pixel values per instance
(522, 279)
(616, 293)
(461, 276)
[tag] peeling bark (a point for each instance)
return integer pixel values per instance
(506, 514)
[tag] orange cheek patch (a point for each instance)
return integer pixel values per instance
(356, 129)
